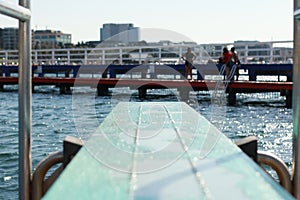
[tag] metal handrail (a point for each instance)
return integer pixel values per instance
(15, 11)
(278, 165)
(40, 173)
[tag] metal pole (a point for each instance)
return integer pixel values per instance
(15, 11)
(25, 110)
(296, 101)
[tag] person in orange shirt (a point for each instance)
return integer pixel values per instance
(226, 58)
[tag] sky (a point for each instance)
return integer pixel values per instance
(202, 21)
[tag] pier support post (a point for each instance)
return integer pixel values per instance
(62, 90)
(105, 74)
(288, 98)
(68, 89)
(67, 75)
(144, 74)
(142, 92)
(231, 97)
(184, 94)
(102, 90)
(249, 146)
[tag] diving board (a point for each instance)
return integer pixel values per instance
(161, 150)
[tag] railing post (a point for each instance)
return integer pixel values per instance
(6, 58)
(271, 53)
(140, 55)
(52, 57)
(35, 57)
(180, 54)
(103, 57)
(69, 57)
(85, 57)
(159, 54)
(200, 54)
(246, 53)
(121, 56)
(25, 109)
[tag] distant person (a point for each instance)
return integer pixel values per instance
(189, 58)
(226, 58)
(219, 64)
(235, 61)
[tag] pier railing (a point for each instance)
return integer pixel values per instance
(251, 72)
(249, 52)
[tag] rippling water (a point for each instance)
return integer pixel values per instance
(262, 116)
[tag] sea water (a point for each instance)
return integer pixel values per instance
(53, 118)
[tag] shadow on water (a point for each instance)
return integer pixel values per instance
(262, 103)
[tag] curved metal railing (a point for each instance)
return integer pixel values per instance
(39, 186)
(271, 160)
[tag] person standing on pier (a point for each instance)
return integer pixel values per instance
(235, 61)
(226, 58)
(189, 58)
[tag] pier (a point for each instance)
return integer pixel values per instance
(159, 153)
(145, 77)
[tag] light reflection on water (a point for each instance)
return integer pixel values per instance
(266, 118)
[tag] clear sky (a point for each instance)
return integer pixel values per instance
(203, 21)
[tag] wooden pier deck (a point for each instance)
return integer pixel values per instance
(150, 151)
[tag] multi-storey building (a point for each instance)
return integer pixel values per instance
(119, 33)
(9, 38)
(254, 51)
(49, 39)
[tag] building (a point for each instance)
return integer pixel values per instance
(253, 51)
(119, 33)
(49, 39)
(9, 38)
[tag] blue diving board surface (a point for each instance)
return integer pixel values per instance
(161, 150)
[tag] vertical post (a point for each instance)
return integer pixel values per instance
(36, 57)
(200, 54)
(25, 109)
(231, 97)
(6, 58)
(159, 54)
(180, 54)
(85, 57)
(142, 92)
(102, 90)
(140, 56)
(103, 57)
(184, 93)
(296, 100)
(121, 56)
(69, 57)
(246, 53)
(288, 98)
(271, 53)
(52, 57)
